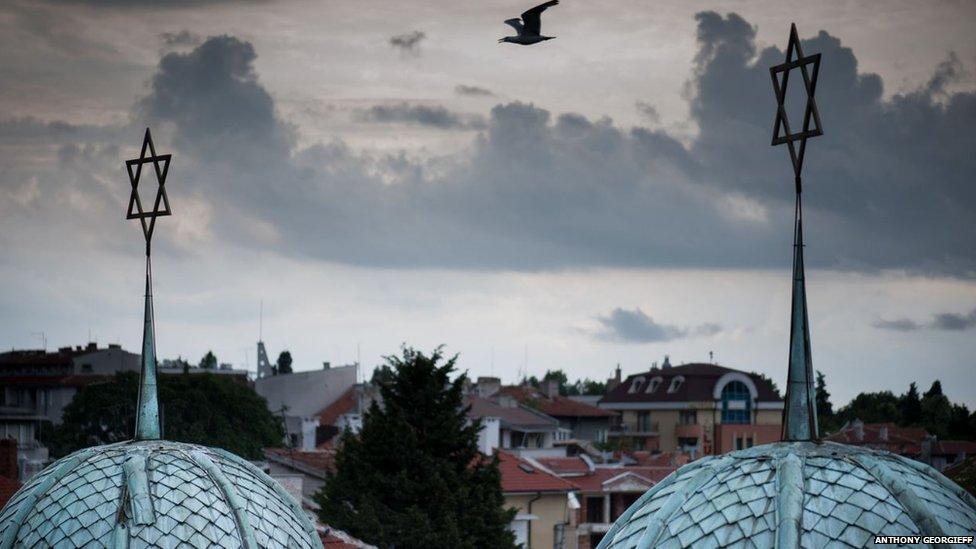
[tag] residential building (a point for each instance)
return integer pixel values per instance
(300, 397)
(578, 420)
(547, 506)
(508, 425)
(697, 408)
(605, 491)
(301, 473)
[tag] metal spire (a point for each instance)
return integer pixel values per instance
(147, 411)
(800, 413)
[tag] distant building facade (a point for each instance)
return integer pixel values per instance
(699, 408)
(912, 442)
(580, 420)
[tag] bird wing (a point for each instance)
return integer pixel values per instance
(532, 17)
(516, 24)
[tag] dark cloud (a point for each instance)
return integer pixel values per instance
(648, 111)
(953, 322)
(634, 326)
(425, 115)
(888, 186)
(408, 42)
(898, 325)
(474, 91)
(181, 38)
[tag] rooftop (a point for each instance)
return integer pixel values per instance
(521, 475)
(555, 406)
(518, 416)
(685, 383)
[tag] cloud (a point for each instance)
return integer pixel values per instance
(634, 326)
(898, 325)
(423, 115)
(540, 190)
(648, 111)
(181, 38)
(953, 322)
(408, 42)
(473, 91)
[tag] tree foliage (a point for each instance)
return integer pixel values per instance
(283, 364)
(199, 408)
(933, 411)
(413, 476)
(209, 361)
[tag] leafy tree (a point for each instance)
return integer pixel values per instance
(381, 375)
(591, 387)
(911, 406)
(199, 408)
(413, 476)
(209, 361)
(560, 377)
(283, 365)
(878, 407)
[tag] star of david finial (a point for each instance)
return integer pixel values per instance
(160, 205)
(809, 67)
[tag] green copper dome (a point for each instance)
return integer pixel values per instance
(154, 493)
(795, 494)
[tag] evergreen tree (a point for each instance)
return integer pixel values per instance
(413, 476)
(283, 365)
(825, 410)
(936, 411)
(209, 361)
(911, 406)
(935, 390)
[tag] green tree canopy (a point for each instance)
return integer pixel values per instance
(199, 408)
(413, 476)
(825, 410)
(283, 364)
(209, 361)
(911, 406)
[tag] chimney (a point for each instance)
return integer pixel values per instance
(667, 362)
(927, 445)
(883, 432)
(507, 401)
(550, 387)
(614, 381)
(326, 365)
(487, 386)
(92, 346)
(8, 459)
(858, 427)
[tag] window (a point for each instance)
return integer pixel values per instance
(635, 386)
(643, 421)
(653, 385)
(676, 384)
(738, 443)
(594, 509)
(688, 417)
(736, 403)
(86, 368)
(748, 442)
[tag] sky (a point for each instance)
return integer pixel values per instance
(377, 174)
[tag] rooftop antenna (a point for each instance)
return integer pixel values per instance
(711, 357)
(147, 415)
(800, 412)
(43, 339)
(264, 365)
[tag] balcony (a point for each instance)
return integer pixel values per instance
(624, 428)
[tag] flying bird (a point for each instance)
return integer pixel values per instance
(529, 28)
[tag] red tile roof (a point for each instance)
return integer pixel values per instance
(342, 405)
(594, 482)
(519, 475)
(886, 436)
(563, 466)
(320, 461)
(8, 487)
(699, 384)
(556, 406)
(517, 416)
(665, 459)
(337, 539)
